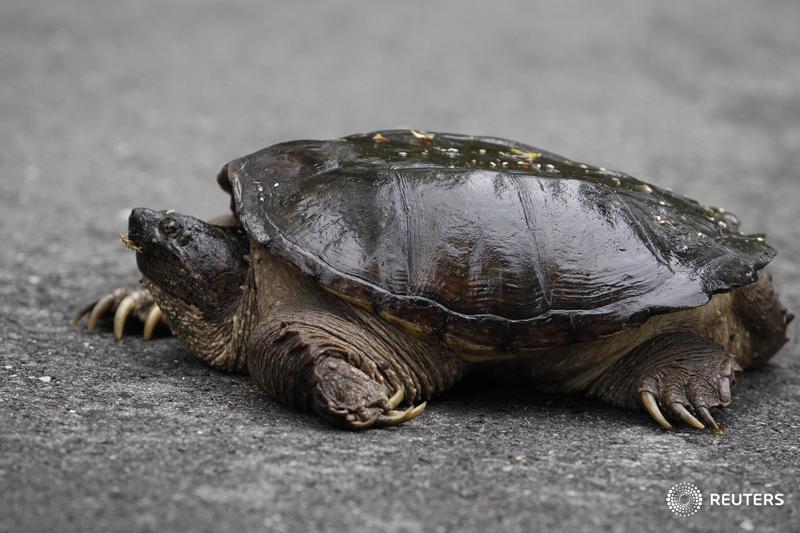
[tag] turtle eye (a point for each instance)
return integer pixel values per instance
(169, 226)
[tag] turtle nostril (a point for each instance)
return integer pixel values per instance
(789, 318)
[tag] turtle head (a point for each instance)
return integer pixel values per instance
(189, 264)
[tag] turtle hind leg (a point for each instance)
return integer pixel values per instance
(351, 371)
(676, 375)
(121, 304)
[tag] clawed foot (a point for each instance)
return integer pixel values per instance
(346, 396)
(122, 303)
(686, 386)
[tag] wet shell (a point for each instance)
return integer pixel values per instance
(483, 242)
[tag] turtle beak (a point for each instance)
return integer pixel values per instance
(142, 226)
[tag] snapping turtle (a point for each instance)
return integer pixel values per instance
(356, 278)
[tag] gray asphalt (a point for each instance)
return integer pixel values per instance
(105, 107)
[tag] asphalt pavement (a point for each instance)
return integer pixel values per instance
(105, 106)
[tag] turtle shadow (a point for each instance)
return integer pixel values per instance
(487, 396)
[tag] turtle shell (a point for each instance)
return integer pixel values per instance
(487, 243)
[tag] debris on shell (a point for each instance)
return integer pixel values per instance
(379, 138)
(645, 188)
(422, 136)
(526, 155)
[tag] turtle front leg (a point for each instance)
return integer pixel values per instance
(121, 304)
(677, 375)
(350, 369)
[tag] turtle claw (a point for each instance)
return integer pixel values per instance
(680, 411)
(418, 410)
(103, 305)
(121, 304)
(389, 417)
(397, 397)
(649, 403)
(126, 306)
(153, 318)
(703, 413)
(355, 423)
(394, 417)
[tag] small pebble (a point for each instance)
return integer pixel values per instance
(46, 379)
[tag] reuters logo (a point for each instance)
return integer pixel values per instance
(684, 499)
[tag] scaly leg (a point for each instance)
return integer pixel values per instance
(349, 368)
(674, 374)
